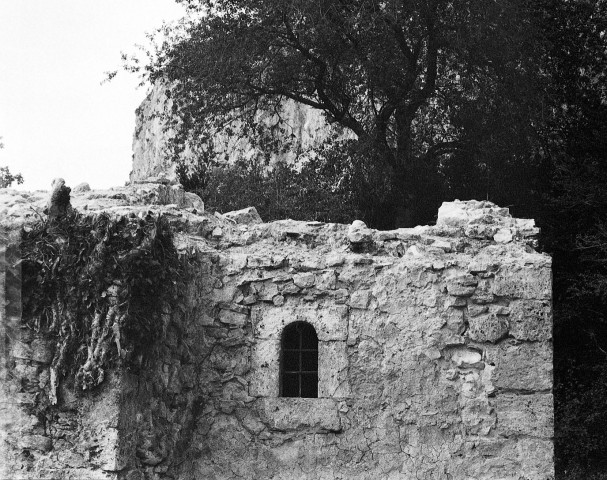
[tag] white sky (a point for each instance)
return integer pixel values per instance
(56, 119)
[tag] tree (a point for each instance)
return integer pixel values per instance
(574, 223)
(400, 75)
(6, 177)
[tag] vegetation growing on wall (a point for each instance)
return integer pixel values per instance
(98, 286)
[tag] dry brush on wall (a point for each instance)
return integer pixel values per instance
(98, 286)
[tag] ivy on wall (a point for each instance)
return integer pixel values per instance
(98, 287)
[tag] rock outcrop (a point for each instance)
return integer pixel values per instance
(300, 127)
(434, 355)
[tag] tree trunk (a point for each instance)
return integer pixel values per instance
(405, 178)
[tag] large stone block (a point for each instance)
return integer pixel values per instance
(521, 366)
(330, 323)
(333, 381)
(531, 320)
(487, 328)
(516, 281)
(236, 319)
(317, 414)
(530, 415)
(265, 365)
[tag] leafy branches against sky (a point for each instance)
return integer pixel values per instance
(397, 74)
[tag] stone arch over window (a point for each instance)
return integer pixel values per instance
(299, 361)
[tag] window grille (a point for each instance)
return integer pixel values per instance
(299, 361)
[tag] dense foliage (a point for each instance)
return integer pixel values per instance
(414, 81)
(98, 286)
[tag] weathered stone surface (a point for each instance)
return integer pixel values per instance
(246, 216)
(297, 413)
(518, 281)
(521, 366)
(482, 295)
(359, 233)
(431, 364)
(333, 370)
(503, 235)
(42, 351)
(487, 328)
(530, 320)
(360, 299)
(35, 442)
(59, 201)
(466, 358)
(82, 187)
(304, 280)
(191, 200)
(525, 415)
(230, 317)
(462, 285)
(265, 362)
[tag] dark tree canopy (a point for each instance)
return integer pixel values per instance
(6, 177)
(417, 81)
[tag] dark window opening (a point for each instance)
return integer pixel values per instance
(299, 362)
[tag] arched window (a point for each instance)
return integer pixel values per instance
(299, 361)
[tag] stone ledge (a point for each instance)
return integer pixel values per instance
(318, 414)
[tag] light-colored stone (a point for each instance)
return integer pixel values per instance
(191, 200)
(246, 216)
(330, 323)
(82, 187)
(531, 320)
(304, 280)
(335, 259)
(265, 362)
(466, 358)
(360, 299)
(298, 128)
(518, 281)
(503, 235)
(462, 285)
(333, 370)
(230, 317)
(359, 233)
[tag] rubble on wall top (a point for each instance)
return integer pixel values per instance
(460, 224)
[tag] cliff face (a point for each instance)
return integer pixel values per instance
(302, 127)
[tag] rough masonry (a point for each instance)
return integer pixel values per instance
(435, 354)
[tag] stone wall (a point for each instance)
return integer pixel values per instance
(435, 358)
